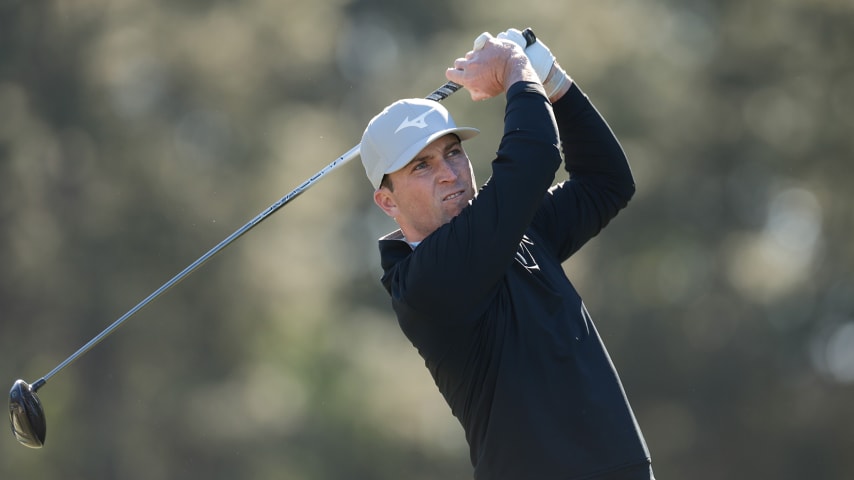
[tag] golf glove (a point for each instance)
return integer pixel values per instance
(542, 60)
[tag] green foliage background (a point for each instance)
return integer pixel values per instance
(135, 135)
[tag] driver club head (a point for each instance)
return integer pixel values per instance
(26, 415)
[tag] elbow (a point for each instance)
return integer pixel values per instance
(629, 190)
(628, 193)
(628, 184)
(624, 186)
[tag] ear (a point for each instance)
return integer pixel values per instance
(384, 199)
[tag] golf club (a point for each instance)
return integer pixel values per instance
(25, 409)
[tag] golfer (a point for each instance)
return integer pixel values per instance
(475, 276)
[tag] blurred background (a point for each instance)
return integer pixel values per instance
(135, 135)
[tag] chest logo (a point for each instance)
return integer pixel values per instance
(524, 255)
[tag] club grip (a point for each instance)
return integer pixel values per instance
(444, 91)
(450, 88)
(530, 38)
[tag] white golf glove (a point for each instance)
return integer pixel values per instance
(481, 40)
(542, 60)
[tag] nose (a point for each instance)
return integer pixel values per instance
(447, 171)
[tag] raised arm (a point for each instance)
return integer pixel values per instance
(600, 184)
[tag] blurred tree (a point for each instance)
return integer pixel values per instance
(134, 136)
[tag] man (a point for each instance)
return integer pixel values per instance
(475, 277)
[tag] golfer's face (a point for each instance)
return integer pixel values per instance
(432, 189)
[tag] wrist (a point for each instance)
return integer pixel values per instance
(519, 69)
(557, 83)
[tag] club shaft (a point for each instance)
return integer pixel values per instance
(439, 94)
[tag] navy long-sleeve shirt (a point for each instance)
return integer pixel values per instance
(502, 330)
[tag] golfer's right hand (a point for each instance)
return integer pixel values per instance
(491, 67)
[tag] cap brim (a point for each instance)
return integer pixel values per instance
(464, 133)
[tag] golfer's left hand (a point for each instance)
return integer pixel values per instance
(491, 68)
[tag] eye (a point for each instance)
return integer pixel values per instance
(419, 165)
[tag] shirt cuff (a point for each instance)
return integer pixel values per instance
(525, 87)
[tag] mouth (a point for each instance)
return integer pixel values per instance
(453, 196)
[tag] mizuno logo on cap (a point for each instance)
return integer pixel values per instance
(417, 122)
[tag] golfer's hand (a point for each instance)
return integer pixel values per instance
(554, 79)
(491, 67)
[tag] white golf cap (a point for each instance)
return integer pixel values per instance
(396, 135)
